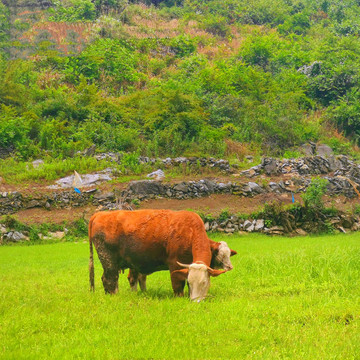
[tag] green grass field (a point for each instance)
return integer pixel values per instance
(287, 298)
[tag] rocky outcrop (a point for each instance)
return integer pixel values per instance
(219, 164)
(87, 180)
(311, 165)
(193, 162)
(6, 152)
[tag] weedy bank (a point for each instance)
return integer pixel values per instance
(295, 298)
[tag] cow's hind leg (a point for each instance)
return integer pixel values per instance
(108, 259)
(134, 278)
(142, 282)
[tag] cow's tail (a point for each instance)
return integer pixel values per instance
(91, 261)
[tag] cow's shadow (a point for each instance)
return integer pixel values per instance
(159, 294)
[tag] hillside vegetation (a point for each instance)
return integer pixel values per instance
(218, 77)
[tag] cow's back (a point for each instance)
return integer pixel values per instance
(148, 240)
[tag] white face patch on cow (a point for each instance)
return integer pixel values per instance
(223, 257)
(199, 281)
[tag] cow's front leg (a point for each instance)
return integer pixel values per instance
(110, 281)
(109, 263)
(178, 283)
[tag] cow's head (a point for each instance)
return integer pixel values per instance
(221, 255)
(198, 277)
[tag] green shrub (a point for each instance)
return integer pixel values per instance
(216, 25)
(298, 24)
(224, 215)
(80, 10)
(345, 114)
(313, 195)
(13, 130)
(78, 229)
(183, 45)
(4, 25)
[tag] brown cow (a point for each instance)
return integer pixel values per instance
(220, 259)
(149, 241)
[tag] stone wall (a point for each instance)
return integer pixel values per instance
(12, 202)
(341, 222)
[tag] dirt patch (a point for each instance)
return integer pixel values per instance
(216, 203)
(56, 216)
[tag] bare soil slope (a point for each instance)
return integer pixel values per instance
(213, 204)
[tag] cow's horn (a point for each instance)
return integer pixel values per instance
(183, 265)
(212, 270)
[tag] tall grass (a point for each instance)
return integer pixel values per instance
(287, 298)
(15, 172)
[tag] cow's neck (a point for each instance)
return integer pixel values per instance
(201, 251)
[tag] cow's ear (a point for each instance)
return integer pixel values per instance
(214, 245)
(214, 272)
(233, 252)
(181, 274)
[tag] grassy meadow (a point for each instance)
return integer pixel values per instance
(287, 298)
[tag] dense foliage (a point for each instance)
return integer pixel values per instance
(174, 77)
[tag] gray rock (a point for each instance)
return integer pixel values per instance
(180, 160)
(300, 232)
(110, 156)
(104, 196)
(223, 187)
(57, 234)
(157, 175)
(183, 186)
(324, 150)
(90, 151)
(14, 236)
(259, 225)
(253, 188)
(214, 226)
(275, 230)
(247, 224)
(251, 228)
(307, 149)
(270, 166)
(211, 185)
(33, 204)
(37, 163)
(2, 229)
(167, 161)
(274, 187)
(145, 187)
(87, 180)
(311, 70)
